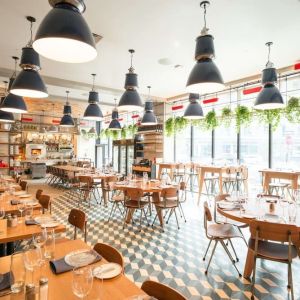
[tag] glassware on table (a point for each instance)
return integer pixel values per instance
(21, 208)
(292, 212)
(32, 259)
(28, 213)
(39, 239)
(82, 281)
(283, 204)
(145, 177)
(2, 213)
(296, 196)
(49, 246)
(18, 272)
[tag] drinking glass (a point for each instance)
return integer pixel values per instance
(39, 239)
(50, 244)
(28, 212)
(32, 259)
(296, 196)
(283, 204)
(18, 272)
(21, 208)
(82, 281)
(2, 213)
(292, 212)
(145, 177)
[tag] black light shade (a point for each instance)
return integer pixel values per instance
(30, 58)
(131, 81)
(14, 104)
(93, 97)
(114, 123)
(205, 77)
(194, 110)
(93, 112)
(6, 117)
(269, 98)
(269, 75)
(29, 83)
(130, 101)
(67, 109)
(67, 121)
(149, 118)
(64, 35)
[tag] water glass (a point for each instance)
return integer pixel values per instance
(145, 176)
(28, 212)
(18, 272)
(21, 208)
(82, 281)
(2, 213)
(32, 259)
(292, 212)
(39, 239)
(49, 246)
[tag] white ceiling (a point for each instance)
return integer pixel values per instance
(159, 29)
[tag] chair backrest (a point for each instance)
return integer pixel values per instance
(23, 185)
(88, 180)
(133, 193)
(207, 215)
(110, 253)
(108, 182)
(161, 291)
(230, 170)
(221, 197)
(38, 194)
(77, 218)
(171, 192)
(244, 172)
(45, 202)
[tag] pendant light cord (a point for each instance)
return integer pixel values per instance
(14, 75)
(31, 20)
(131, 69)
(204, 4)
(269, 64)
(67, 92)
(230, 97)
(149, 88)
(93, 88)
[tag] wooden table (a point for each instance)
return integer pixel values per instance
(22, 231)
(255, 209)
(168, 166)
(269, 174)
(69, 168)
(60, 286)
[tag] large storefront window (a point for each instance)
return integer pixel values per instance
(183, 145)
(202, 146)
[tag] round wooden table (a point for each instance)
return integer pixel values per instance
(259, 210)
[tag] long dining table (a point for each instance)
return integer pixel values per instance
(259, 210)
(60, 286)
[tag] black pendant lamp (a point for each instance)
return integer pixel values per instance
(205, 77)
(29, 82)
(13, 103)
(53, 128)
(5, 117)
(64, 34)
(114, 123)
(270, 96)
(130, 100)
(194, 110)
(93, 111)
(149, 117)
(67, 120)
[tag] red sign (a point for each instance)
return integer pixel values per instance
(26, 119)
(177, 107)
(297, 66)
(56, 121)
(253, 90)
(212, 100)
(135, 116)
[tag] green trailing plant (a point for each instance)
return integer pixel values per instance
(226, 116)
(211, 120)
(243, 116)
(269, 116)
(114, 134)
(292, 110)
(170, 126)
(132, 130)
(180, 124)
(124, 133)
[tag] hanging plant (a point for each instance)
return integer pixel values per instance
(124, 133)
(170, 126)
(102, 134)
(269, 116)
(180, 124)
(132, 129)
(226, 116)
(114, 134)
(243, 116)
(211, 120)
(292, 110)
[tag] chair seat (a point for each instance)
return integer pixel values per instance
(118, 198)
(232, 222)
(167, 204)
(97, 181)
(279, 184)
(136, 204)
(211, 177)
(225, 231)
(271, 250)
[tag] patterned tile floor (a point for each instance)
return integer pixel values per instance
(174, 257)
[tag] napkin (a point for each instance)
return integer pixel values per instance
(31, 222)
(59, 266)
(14, 202)
(5, 282)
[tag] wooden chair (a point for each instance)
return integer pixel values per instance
(133, 201)
(242, 178)
(107, 186)
(110, 253)
(160, 291)
(170, 202)
(86, 188)
(117, 198)
(23, 185)
(182, 198)
(38, 194)
(78, 219)
(230, 179)
(45, 202)
(266, 243)
(219, 233)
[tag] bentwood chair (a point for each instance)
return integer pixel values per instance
(170, 202)
(219, 233)
(45, 202)
(110, 253)
(117, 198)
(38, 194)
(78, 219)
(160, 291)
(266, 242)
(107, 186)
(23, 185)
(134, 201)
(86, 188)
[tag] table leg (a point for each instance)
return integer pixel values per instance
(220, 183)
(266, 182)
(249, 264)
(159, 172)
(200, 183)
(130, 215)
(155, 197)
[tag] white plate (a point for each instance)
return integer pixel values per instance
(49, 225)
(80, 258)
(44, 219)
(19, 193)
(31, 202)
(248, 216)
(25, 195)
(107, 271)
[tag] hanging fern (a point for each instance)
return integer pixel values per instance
(243, 116)
(170, 127)
(124, 133)
(180, 124)
(292, 110)
(226, 116)
(211, 120)
(269, 116)
(132, 130)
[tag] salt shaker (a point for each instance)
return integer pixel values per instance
(43, 289)
(30, 291)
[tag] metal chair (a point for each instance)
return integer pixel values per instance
(45, 202)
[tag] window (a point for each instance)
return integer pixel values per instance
(201, 145)
(183, 145)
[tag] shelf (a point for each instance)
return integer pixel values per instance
(4, 168)
(12, 143)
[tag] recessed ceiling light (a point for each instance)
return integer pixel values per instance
(165, 61)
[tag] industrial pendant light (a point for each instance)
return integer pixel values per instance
(114, 123)
(130, 100)
(42, 127)
(194, 110)
(5, 117)
(149, 117)
(67, 120)
(205, 77)
(13, 103)
(53, 128)
(269, 97)
(93, 111)
(64, 35)
(29, 82)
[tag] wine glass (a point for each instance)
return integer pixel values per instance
(82, 281)
(32, 259)
(2, 213)
(39, 239)
(21, 208)
(145, 177)
(283, 203)
(50, 244)
(18, 272)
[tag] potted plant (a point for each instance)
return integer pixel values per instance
(292, 110)
(226, 116)
(269, 116)
(211, 120)
(243, 116)
(169, 126)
